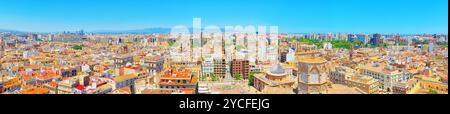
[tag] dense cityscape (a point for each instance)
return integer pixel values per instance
(78, 62)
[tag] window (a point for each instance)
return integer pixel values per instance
(314, 78)
(304, 77)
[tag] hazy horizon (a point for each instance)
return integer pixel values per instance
(136, 31)
(292, 16)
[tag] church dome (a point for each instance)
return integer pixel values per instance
(277, 69)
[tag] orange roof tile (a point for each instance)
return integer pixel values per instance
(187, 90)
(26, 78)
(35, 90)
(52, 84)
(185, 73)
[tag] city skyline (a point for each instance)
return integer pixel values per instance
(249, 55)
(323, 16)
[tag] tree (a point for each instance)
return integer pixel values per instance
(203, 78)
(214, 77)
(171, 43)
(129, 42)
(431, 91)
(357, 42)
(384, 45)
(77, 47)
(240, 47)
(237, 77)
(443, 44)
(336, 43)
(251, 78)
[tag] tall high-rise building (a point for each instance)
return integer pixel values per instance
(430, 47)
(376, 40)
(81, 32)
(283, 55)
(362, 38)
(2, 47)
(32, 36)
(351, 37)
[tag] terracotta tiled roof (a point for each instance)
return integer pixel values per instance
(36, 90)
(186, 90)
(185, 73)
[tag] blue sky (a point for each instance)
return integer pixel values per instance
(298, 16)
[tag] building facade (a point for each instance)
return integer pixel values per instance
(220, 68)
(207, 66)
(126, 80)
(9, 83)
(347, 76)
(312, 75)
(122, 60)
(240, 67)
(154, 64)
(178, 79)
(386, 75)
(376, 40)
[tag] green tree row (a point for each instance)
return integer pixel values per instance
(77, 47)
(319, 43)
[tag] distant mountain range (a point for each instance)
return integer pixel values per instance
(142, 31)
(137, 31)
(11, 31)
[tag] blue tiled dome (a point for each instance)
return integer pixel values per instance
(277, 69)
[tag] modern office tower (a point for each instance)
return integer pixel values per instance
(351, 37)
(341, 36)
(2, 47)
(397, 38)
(81, 32)
(362, 38)
(376, 40)
(430, 47)
(32, 36)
